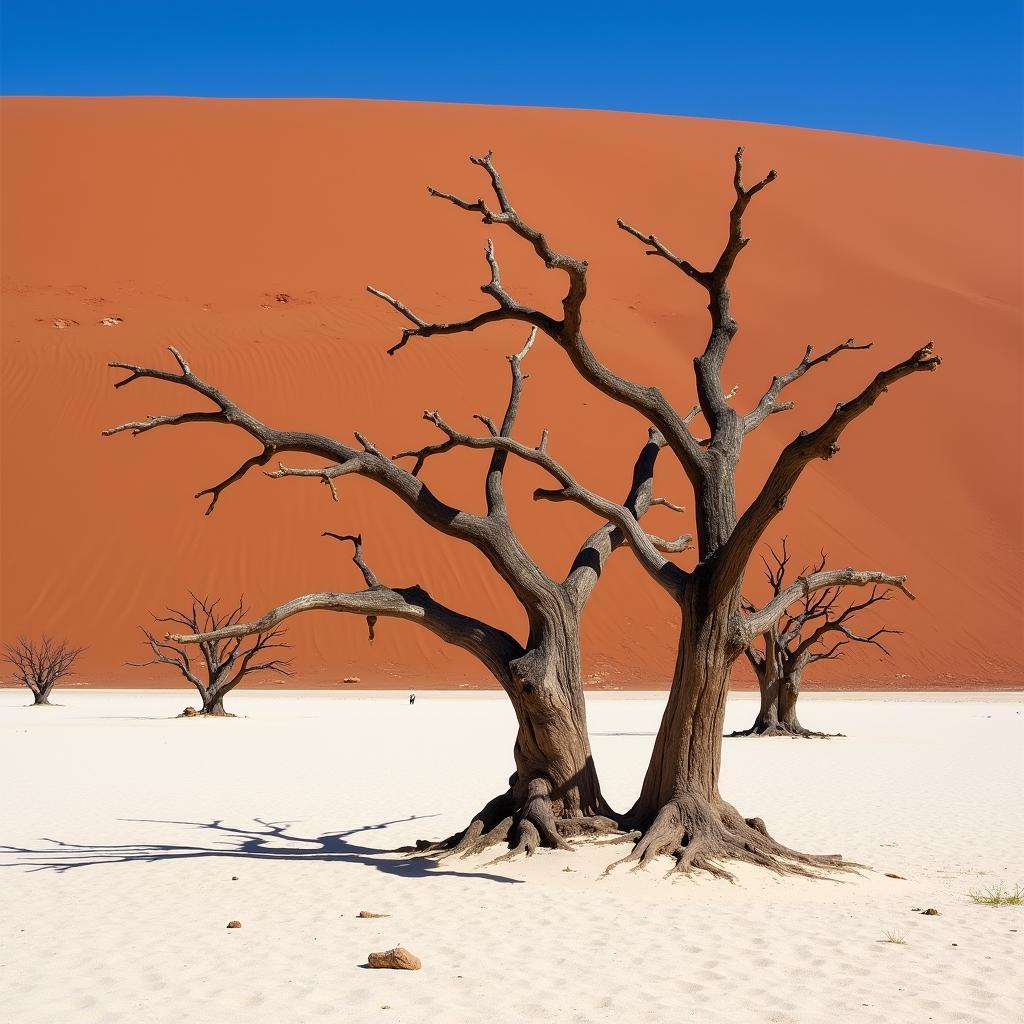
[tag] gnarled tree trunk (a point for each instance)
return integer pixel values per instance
(554, 794)
(213, 704)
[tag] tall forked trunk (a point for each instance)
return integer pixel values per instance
(680, 811)
(684, 765)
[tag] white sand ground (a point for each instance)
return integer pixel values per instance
(123, 830)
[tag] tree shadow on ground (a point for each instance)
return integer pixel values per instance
(265, 841)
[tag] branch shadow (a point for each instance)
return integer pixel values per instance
(265, 840)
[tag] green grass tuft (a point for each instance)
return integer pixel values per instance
(896, 938)
(997, 896)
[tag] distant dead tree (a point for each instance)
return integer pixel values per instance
(224, 663)
(40, 665)
(680, 811)
(816, 631)
(554, 793)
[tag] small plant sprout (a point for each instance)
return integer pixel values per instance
(997, 896)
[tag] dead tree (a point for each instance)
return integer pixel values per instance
(798, 639)
(225, 662)
(41, 665)
(680, 811)
(554, 793)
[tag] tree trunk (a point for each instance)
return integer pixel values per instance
(685, 762)
(680, 811)
(767, 721)
(780, 688)
(769, 683)
(554, 794)
(553, 746)
(213, 705)
(41, 699)
(789, 691)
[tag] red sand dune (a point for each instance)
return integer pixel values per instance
(186, 217)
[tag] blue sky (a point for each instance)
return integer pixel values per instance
(947, 73)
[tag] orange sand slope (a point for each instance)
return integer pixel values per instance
(186, 218)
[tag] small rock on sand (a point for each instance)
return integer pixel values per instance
(397, 959)
(370, 913)
(931, 912)
(111, 321)
(234, 924)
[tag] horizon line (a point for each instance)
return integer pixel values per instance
(1018, 153)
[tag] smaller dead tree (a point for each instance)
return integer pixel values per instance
(225, 663)
(41, 665)
(816, 631)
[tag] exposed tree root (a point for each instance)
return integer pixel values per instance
(700, 836)
(792, 731)
(524, 829)
(191, 712)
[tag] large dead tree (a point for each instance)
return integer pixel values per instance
(224, 662)
(554, 793)
(680, 811)
(41, 664)
(817, 629)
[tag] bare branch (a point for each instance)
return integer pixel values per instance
(769, 403)
(507, 309)
(658, 248)
(369, 462)
(758, 622)
(666, 573)
(820, 443)
(565, 331)
(357, 555)
(708, 366)
(492, 646)
(670, 547)
(326, 475)
(215, 492)
(668, 504)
